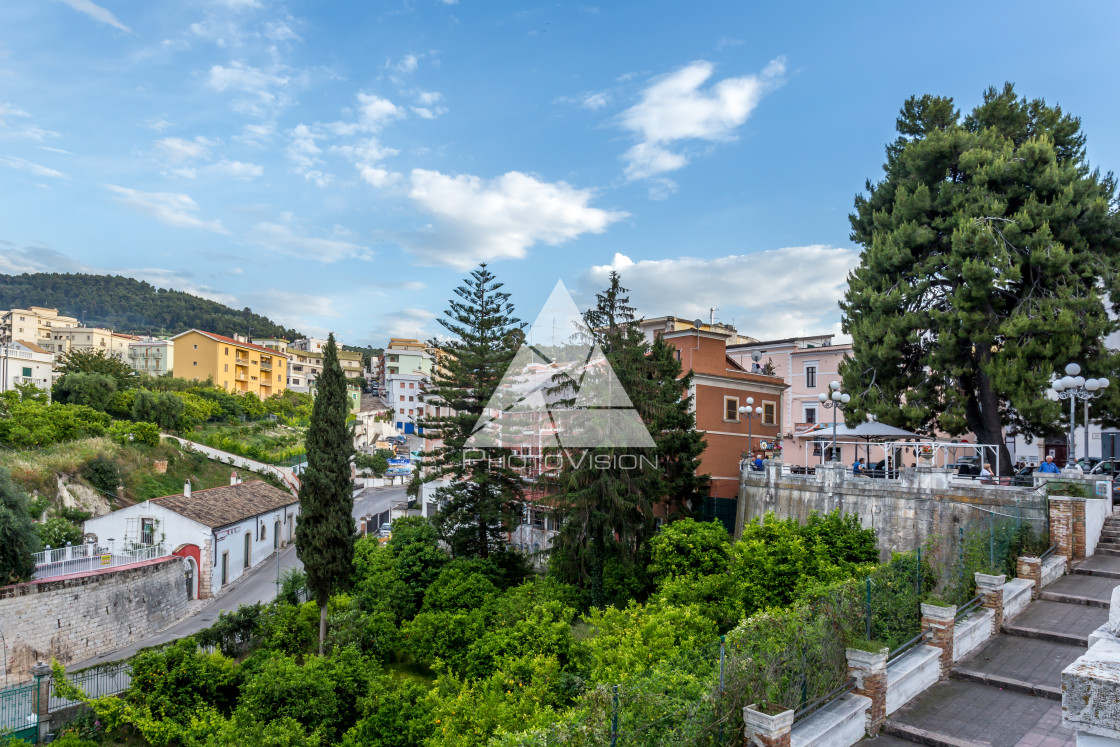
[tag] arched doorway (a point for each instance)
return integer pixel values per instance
(191, 574)
(191, 569)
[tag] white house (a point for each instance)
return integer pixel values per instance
(222, 532)
(23, 362)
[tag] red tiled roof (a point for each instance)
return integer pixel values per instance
(231, 341)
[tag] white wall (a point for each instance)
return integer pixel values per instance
(1016, 596)
(1096, 511)
(231, 539)
(173, 529)
(910, 675)
(970, 632)
(838, 724)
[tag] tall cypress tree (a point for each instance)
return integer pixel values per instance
(484, 493)
(607, 505)
(987, 252)
(326, 532)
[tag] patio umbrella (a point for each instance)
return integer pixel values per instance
(869, 431)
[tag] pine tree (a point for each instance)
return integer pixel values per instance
(606, 505)
(484, 493)
(987, 250)
(326, 532)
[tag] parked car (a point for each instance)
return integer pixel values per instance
(1116, 489)
(386, 530)
(1087, 464)
(1106, 467)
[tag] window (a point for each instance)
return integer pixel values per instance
(769, 413)
(412, 385)
(262, 532)
(226, 368)
(538, 519)
(411, 399)
(402, 398)
(810, 415)
(27, 372)
(248, 548)
(730, 408)
(195, 363)
(410, 411)
(227, 349)
(147, 531)
(196, 348)
(811, 375)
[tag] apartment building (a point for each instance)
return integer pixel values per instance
(720, 386)
(406, 369)
(34, 324)
(309, 345)
(237, 366)
(152, 356)
(351, 362)
(304, 367)
(660, 325)
(24, 362)
(806, 365)
(89, 339)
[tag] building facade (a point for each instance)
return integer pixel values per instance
(35, 324)
(24, 362)
(807, 365)
(406, 370)
(304, 368)
(152, 356)
(221, 532)
(89, 340)
(720, 386)
(238, 367)
(351, 362)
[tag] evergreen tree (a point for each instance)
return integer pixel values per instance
(326, 532)
(18, 538)
(606, 505)
(987, 251)
(482, 498)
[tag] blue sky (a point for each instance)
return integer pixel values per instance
(339, 165)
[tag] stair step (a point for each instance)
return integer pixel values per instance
(926, 737)
(1102, 572)
(1073, 599)
(1045, 635)
(1108, 551)
(1007, 683)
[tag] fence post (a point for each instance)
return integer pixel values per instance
(722, 657)
(614, 719)
(940, 623)
(42, 674)
(1030, 568)
(767, 730)
(868, 615)
(990, 590)
(869, 670)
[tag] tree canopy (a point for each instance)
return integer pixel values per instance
(129, 305)
(989, 249)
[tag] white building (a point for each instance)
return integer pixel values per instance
(222, 532)
(24, 362)
(152, 356)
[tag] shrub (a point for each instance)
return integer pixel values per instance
(103, 474)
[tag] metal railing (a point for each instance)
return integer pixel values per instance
(967, 608)
(19, 711)
(1050, 551)
(64, 561)
(908, 645)
(813, 706)
(96, 682)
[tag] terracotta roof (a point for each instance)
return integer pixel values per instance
(230, 340)
(229, 504)
(33, 347)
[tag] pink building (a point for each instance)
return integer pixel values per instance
(807, 365)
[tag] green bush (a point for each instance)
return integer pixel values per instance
(103, 474)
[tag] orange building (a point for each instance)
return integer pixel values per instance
(720, 386)
(237, 366)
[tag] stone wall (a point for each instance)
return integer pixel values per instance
(924, 501)
(75, 618)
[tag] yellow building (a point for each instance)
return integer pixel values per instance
(237, 366)
(351, 362)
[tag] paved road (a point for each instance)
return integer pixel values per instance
(259, 585)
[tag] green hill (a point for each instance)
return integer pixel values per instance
(132, 306)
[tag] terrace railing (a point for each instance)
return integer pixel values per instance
(63, 561)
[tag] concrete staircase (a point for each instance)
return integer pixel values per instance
(1109, 543)
(1008, 693)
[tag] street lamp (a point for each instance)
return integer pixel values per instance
(750, 413)
(835, 400)
(1075, 387)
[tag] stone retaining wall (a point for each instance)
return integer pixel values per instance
(74, 618)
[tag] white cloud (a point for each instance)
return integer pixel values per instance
(173, 208)
(595, 101)
(408, 322)
(177, 150)
(479, 221)
(280, 31)
(159, 124)
(289, 308)
(378, 177)
(256, 134)
(242, 4)
(304, 153)
(7, 110)
(292, 241)
(770, 294)
(31, 168)
(408, 64)
(235, 169)
(674, 109)
(375, 112)
(97, 13)
(265, 91)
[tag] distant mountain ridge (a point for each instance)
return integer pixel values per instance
(132, 306)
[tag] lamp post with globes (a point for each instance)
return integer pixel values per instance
(834, 399)
(1075, 387)
(750, 413)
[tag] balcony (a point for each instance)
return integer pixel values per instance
(266, 382)
(266, 365)
(241, 361)
(241, 377)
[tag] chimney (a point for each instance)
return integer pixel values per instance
(233, 479)
(187, 489)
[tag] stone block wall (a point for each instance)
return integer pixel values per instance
(1067, 526)
(78, 617)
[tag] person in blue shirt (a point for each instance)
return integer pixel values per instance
(758, 463)
(1049, 466)
(857, 468)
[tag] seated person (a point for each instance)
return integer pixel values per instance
(986, 473)
(857, 467)
(758, 463)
